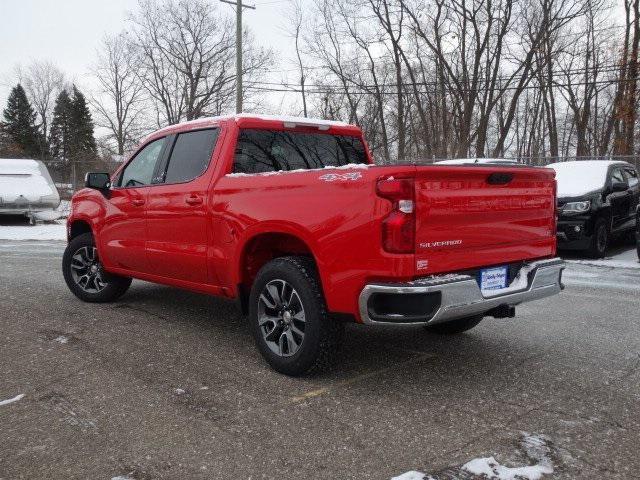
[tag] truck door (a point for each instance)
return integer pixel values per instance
(123, 234)
(620, 201)
(631, 176)
(177, 209)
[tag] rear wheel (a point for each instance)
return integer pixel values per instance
(289, 320)
(600, 239)
(453, 327)
(85, 276)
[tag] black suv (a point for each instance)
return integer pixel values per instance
(597, 199)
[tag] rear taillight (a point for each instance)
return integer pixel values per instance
(399, 226)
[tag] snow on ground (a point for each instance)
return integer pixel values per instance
(412, 475)
(11, 400)
(620, 258)
(536, 448)
(491, 468)
(41, 231)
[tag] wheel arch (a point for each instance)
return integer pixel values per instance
(78, 227)
(262, 247)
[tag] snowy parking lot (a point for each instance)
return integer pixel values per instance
(167, 384)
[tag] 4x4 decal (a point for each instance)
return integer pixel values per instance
(332, 177)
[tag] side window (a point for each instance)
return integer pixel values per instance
(191, 155)
(632, 176)
(139, 171)
(617, 176)
(260, 151)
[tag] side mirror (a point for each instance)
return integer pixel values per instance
(97, 181)
(619, 186)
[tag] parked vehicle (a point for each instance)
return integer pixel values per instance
(26, 188)
(291, 218)
(597, 200)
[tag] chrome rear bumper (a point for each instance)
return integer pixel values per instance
(460, 296)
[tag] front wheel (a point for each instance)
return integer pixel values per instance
(85, 276)
(289, 320)
(600, 239)
(453, 327)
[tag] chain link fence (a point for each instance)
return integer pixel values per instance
(68, 176)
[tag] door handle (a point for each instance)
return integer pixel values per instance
(193, 200)
(138, 202)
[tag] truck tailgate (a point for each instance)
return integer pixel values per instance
(472, 216)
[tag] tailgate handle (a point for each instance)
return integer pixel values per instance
(499, 178)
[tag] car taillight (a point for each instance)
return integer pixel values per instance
(398, 227)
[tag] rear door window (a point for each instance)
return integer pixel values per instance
(260, 151)
(139, 171)
(190, 155)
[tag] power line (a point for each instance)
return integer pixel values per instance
(328, 90)
(501, 79)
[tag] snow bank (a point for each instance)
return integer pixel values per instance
(580, 177)
(624, 259)
(11, 400)
(55, 231)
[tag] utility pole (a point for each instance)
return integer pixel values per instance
(239, 6)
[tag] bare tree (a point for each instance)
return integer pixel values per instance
(186, 53)
(294, 28)
(478, 77)
(119, 99)
(42, 81)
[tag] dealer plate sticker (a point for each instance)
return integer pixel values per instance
(493, 278)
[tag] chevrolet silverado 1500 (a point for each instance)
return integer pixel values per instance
(291, 218)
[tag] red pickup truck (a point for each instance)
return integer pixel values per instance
(290, 217)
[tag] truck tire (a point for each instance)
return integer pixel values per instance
(288, 318)
(455, 326)
(600, 239)
(84, 275)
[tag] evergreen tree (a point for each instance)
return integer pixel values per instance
(62, 127)
(85, 143)
(72, 127)
(20, 122)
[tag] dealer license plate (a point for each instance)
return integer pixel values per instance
(493, 278)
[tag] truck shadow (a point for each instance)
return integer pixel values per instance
(366, 350)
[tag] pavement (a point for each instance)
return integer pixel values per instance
(167, 384)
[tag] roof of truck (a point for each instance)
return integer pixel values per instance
(249, 120)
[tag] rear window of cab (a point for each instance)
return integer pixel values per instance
(259, 151)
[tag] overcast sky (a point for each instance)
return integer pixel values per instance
(68, 32)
